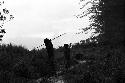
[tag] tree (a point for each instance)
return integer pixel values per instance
(5, 17)
(114, 22)
(94, 14)
(109, 19)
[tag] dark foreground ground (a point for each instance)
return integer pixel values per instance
(102, 64)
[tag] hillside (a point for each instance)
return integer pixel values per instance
(103, 63)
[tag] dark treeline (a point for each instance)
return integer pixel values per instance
(112, 16)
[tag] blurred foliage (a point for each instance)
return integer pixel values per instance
(104, 62)
(113, 21)
(22, 62)
(5, 17)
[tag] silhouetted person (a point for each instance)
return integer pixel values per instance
(49, 47)
(67, 55)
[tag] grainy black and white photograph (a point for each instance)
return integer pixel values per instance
(62, 41)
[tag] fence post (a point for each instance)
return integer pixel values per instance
(67, 55)
(49, 47)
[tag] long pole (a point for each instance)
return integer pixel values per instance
(49, 47)
(67, 55)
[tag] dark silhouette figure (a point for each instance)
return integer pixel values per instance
(49, 47)
(67, 55)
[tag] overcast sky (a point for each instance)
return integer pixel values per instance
(37, 19)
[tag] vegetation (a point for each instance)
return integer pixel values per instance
(103, 63)
(105, 60)
(5, 17)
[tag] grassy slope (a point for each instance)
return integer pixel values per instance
(104, 63)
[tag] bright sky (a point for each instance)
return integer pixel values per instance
(35, 20)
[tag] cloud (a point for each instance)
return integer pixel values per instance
(37, 19)
(43, 35)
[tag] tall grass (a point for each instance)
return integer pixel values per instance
(104, 63)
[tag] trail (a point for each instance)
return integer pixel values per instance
(58, 77)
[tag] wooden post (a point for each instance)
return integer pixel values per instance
(49, 47)
(67, 55)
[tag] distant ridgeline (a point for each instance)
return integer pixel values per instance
(5, 17)
(94, 14)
